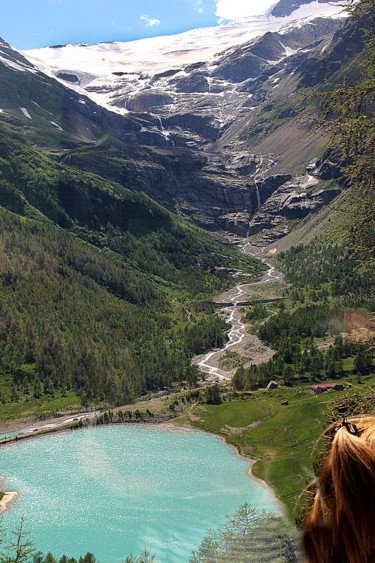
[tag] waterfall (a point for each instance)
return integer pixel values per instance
(258, 195)
(160, 123)
(164, 132)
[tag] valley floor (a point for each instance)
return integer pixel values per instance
(243, 347)
(276, 428)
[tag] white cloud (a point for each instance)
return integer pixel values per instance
(199, 6)
(149, 22)
(236, 9)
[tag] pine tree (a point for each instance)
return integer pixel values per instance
(347, 113)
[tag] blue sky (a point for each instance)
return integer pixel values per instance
(28, 24)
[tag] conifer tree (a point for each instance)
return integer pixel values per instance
(347, 113)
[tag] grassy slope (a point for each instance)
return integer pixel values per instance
(283, 436)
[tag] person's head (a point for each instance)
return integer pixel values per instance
(340, 525)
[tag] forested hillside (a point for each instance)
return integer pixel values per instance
(103, 292)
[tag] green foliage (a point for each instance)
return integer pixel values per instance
(144, 557)
(320, 270)
(250, 536)
(363, 362)
(257, 312)
(303, 322)
(347, 114)
(213, 396)
(76, 318)
(19, 549)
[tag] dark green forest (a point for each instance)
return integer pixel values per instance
(102, 291)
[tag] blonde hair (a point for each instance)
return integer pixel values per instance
(340, 525)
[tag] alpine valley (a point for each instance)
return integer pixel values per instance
(145, 185)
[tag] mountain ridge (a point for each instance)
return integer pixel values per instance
(202, 141)
(154, 55)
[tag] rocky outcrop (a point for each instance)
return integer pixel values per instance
(68, 77)
(346, 44)
(309, 33)
(147, 101)
(202, 125)
(293, 200)
(269, 47)
(329, 166)
(196, 82)
(238, 68)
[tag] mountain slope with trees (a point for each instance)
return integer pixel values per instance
(103, 292)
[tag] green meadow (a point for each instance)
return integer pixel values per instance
(281, 438)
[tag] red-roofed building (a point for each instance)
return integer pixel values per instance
(326, 387)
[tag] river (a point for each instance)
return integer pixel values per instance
(247, 346)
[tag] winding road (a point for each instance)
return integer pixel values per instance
(240, 341)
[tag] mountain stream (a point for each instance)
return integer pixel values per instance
(247, 347)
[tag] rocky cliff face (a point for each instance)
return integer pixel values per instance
(218, 140)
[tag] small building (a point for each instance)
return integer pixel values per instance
(322, 387)
(272, 384)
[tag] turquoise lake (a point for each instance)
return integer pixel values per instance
(113, 490)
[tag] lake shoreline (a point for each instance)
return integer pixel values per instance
(8, 497)
(250, 470)
(172, 424)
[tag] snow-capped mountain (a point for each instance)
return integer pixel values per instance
(111, 73)
(204, 122)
